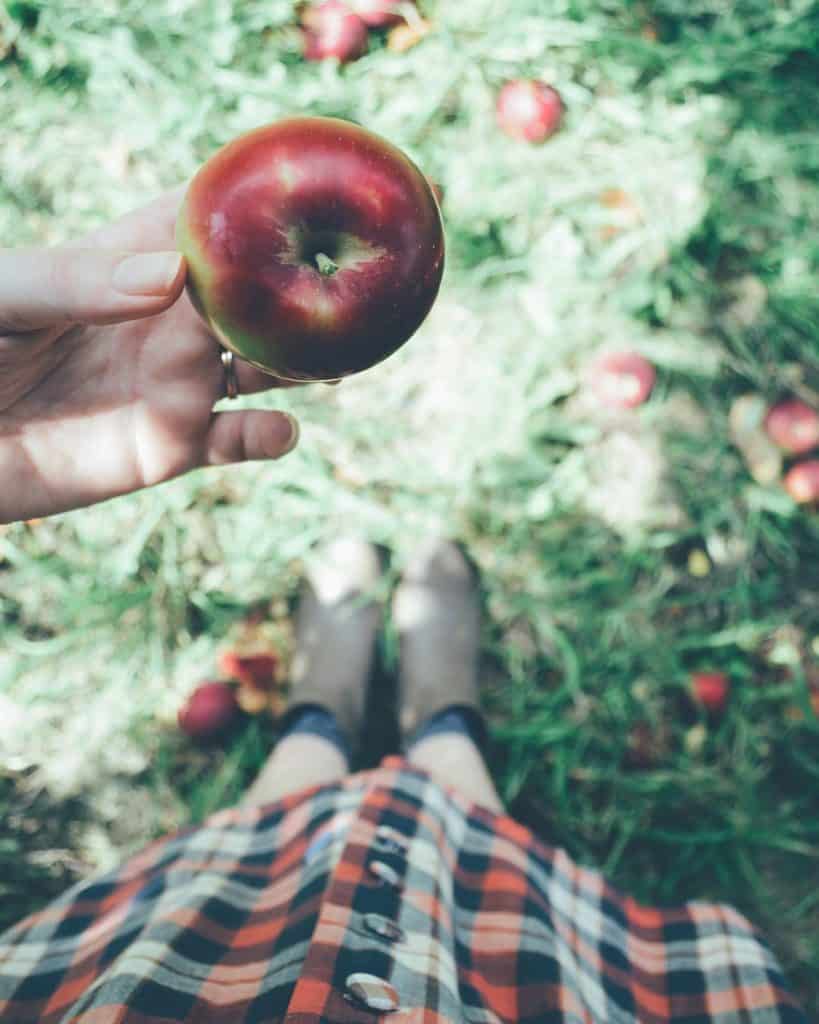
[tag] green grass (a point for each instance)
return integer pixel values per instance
(704, 114)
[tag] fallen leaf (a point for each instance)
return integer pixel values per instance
(251, 700)
(255, 671)
(747, 428)
(404, 37)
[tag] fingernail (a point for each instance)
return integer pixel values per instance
(295, 432)
(150, 273)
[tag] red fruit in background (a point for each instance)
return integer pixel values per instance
(255, 670)
(711, 690)
(621, 380)
(529, 110)
(332, 29)
(315, 249)
(794, 426)
(802, 482)
(209, 711)
(379, 13)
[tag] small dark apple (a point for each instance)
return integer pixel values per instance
(315, 249)
(794, 426)
(529, 110)
(209, 711)
(711, 690)
(621, 380)
(802, 482)
(379, 13)
(332, 29)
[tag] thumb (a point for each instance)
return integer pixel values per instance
(54, 287)
(249, 434)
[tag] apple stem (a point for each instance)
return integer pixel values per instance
(326, 266)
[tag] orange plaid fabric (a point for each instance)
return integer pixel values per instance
(385, 897)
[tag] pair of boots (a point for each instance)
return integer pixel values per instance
(436, 611)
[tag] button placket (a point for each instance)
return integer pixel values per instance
(390, 840)
(380, 888)
(388, 846)
(372, 992)
(383, 928)
(384, 873)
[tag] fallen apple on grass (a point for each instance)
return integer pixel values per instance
(802, 482)
(209, 712)
(621, 380)
(529, 110)
(793, 426)
(315, 248)
(333, 30)
(711, 690)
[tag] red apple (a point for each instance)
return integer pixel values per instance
(621, 380)
(529, 110)
(711, 690)
(802, 482)
(379, 13)
(793, 426)
(209, 711)
(315, 249)
(332, 29)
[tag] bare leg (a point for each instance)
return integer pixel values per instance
(454, 760)
(298, 762)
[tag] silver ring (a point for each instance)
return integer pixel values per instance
(231, 377)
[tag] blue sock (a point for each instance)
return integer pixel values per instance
(460, 719)
(315, 720)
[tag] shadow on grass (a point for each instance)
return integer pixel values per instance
(38, 842)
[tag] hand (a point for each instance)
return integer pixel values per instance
(108, 377)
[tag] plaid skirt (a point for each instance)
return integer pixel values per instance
(384, 897)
